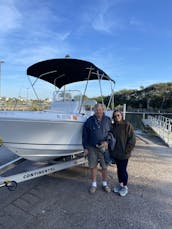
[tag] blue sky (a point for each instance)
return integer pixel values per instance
(131, 40)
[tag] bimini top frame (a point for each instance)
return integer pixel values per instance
(63, 71)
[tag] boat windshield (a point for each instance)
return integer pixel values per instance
(67, 95)
(67, 101)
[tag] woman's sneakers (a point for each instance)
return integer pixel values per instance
(117, 188)
(122, 190)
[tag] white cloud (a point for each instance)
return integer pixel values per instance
(134, 22)
(139, 25)
(109, 62)
(102, 16)
(31, 30)
(32, 54)
(101, 23)
(64, 36)
(105, 19)
(10, 17)
(105, 16)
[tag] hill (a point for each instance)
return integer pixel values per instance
(154, 97)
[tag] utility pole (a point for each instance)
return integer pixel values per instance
(27, 93)
(1, 62)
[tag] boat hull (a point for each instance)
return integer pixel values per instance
(41, 140)
(33, 153)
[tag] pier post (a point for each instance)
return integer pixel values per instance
(124, 111)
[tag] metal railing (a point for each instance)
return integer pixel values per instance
(162, 126)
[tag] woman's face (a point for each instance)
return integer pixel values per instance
(117, 116)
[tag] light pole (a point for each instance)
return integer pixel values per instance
(27, 93)
(1, 62)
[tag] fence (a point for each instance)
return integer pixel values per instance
(162, 126)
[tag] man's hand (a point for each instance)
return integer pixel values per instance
(85, 152)
(103, 147)
(104, 144)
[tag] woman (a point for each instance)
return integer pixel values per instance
(123, 132)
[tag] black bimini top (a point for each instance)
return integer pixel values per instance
(60, 72)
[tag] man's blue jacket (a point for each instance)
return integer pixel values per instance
(95, 131)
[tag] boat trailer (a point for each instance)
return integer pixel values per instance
(11, 181)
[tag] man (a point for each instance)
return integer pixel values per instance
(123, 132)
(95, 132)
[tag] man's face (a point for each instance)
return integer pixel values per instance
(99, 111)
(117, 116)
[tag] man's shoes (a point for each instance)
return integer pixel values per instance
(106, 188)
(92, 189)
(123, 191)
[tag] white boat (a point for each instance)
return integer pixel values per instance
(49, 134)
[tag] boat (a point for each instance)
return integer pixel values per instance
(55, 132)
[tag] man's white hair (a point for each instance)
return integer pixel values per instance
(99, 105)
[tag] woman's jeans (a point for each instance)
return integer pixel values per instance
(122, 171)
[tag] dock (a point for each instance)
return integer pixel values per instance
(162, 126)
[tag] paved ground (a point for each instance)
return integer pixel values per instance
(61, 200)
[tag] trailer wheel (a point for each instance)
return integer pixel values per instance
(12, 185)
